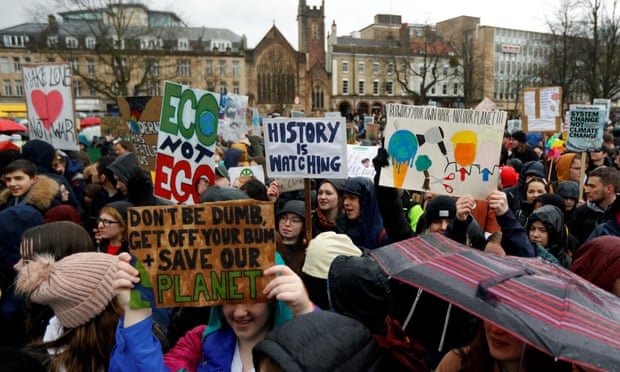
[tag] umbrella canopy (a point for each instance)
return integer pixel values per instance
(90, 121)
(10, 126)
(539, 302)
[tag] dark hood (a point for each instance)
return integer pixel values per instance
(535, 168)
(321, 341)
(41, 154)
(598, 261)
(371, 220)
(138, 181)
(553, 219)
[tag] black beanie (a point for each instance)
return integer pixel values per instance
(440, 207)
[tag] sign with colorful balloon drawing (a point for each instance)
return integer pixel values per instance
(444, 151)
(186, 142)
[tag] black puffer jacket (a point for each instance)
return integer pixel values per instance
(322, 341)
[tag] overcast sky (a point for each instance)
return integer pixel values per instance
(254, 17)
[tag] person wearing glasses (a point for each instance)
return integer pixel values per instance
(111, 230)
(290, 224)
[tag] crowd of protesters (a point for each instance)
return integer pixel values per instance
(66, 273)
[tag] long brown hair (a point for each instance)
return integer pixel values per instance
(89, 346)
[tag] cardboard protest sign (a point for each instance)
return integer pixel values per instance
(360, 160)
(141, 115)
(586, 124)
(49, 97)
(186, 142)
(114, 126)
(305, 147)
(290, 184)
(255, 171)
(234, 110)
(441, 150)
(541, 109)
(206, 254)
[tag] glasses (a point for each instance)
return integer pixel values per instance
(292, 220)
(106, 223)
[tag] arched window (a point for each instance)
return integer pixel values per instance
(318, 95)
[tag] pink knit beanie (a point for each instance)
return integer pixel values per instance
(77, 287)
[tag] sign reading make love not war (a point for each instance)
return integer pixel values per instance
(206, 254)
(49, 96)
(305, 147)
(586, 124)
(186, 142)
(444, 151)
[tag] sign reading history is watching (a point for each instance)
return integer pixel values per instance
(205, 254)
(186, 142)
(305, 147)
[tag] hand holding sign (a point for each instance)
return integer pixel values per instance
(125, 279)
(288, 287)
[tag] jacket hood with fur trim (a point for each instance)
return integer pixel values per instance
(44, 195)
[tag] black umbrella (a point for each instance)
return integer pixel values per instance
(539, 302)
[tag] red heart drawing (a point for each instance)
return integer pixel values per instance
(47, 106)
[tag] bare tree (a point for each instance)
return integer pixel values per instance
(564, 63)
(127, 52)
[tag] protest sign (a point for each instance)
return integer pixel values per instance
(114, 126)
(541, 109)
(186, 142)
(49, 97)
(605, 103)
(290, 184)
(141, 115)
(305, 147)
(359, 159)
(451, 151)
(206, 254)
(250, 171)
(586, 124)
(234, 114)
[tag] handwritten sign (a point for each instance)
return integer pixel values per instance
(206, 254)
(141, 117)
(49, 96)
(541, 109)
(255, 171)
(360, 160)
(586, 124)
(445, 151)
(305, 147)
(233, 114)
(186, 142)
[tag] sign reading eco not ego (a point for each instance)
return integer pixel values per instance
(205, 254)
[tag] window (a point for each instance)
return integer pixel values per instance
(222, 68)
(389, 87)
(455, 89)
(17, 67)
(433, 90)
(221, 45)
(90, 67)
(315, 31)
(209, 67)
(444, 89)
(345, 66)
(361, 87)
(403, 69)
(4, 65)
(345, 86)
(445, 71)
(153, 88)
(223, 88)
(184, 67)
(52, 41)
(15, 41)
(235, 68)
(75, 64)
(92, 91)
(317, 97)
(51, 59)
(390, 68)
(236, 89)
(375, 87)
(152, 66)
(183, 44)
(375, 68)
(76, 88)
(361, 67)
(6, 88)
(90, 42)
(71, 42)
(118, 44)
(19, 88)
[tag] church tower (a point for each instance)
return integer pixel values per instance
(311, 32)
